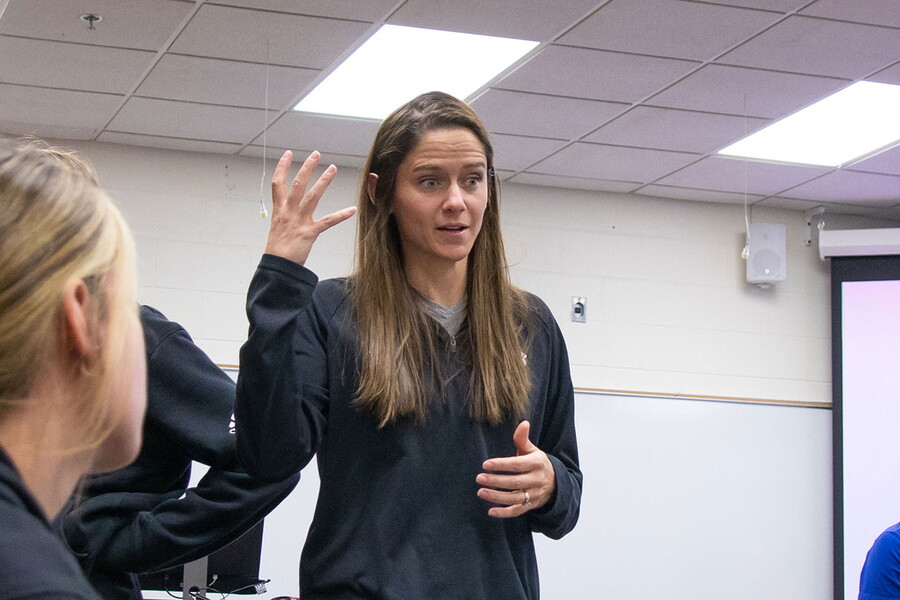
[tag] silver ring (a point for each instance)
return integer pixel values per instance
(527, 502)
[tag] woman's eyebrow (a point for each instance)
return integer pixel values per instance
(430, 167)
(426, 167)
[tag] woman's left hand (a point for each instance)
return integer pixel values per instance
(517, 483)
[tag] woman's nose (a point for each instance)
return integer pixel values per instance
(454, 199)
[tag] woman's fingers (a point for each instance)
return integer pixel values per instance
(279, 194)
(506, 481)
(293, 229)
(301, 179)
(509, 497)
(512, 503)
(339, 216)
(310, 200)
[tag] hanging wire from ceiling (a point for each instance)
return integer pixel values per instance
(263, 213)
(745, 253)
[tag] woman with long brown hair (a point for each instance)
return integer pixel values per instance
(436, 395)
(72, 367)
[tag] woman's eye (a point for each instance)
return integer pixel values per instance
(473, 180)
(429, 184)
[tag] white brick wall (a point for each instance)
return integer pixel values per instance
(669, 309)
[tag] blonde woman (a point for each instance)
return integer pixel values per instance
(436, 396)
(72, 365)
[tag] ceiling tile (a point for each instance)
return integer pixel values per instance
(131, 139)
(369, 10)
(819, 47)
(322, 133)
(505, 18)
(187, 120)
(887, 163)
(595, 74)
(240, 34)
(217, 81)
(889, 75)
(328, 158)
(670, 129)
(576, 183)
(850, 187)
(522, 113)
(776, 5)
(595, 161)
(677, 193)
(731, 175)
(145, 25)
(61, 114)
(514, 153)
(677, 29)
(752, 92)
(71, 66)
(874, 12)
(576, 114)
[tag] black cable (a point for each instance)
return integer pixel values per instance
(167, 590)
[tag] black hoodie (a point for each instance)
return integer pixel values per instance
(144, 517)
(34, 565)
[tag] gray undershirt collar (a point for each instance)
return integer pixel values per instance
(450, 317)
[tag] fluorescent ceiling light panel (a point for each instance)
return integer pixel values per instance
(853, 122)
(398, 63)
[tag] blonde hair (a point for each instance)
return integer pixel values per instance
(395, 335)
(56, 224)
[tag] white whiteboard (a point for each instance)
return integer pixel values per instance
(694, 500)
(683, 500)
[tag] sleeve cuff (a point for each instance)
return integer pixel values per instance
(288, 267)
(547, 511)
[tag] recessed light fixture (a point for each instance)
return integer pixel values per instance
(398, 63)
(848, 124)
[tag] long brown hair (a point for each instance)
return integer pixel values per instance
(395, 335)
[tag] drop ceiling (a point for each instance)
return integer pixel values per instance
(628, 96)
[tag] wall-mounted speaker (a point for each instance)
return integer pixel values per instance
(767, 258)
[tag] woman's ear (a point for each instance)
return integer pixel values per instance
(77, 322)
(371, 184)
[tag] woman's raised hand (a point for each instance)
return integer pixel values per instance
(294, 230)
